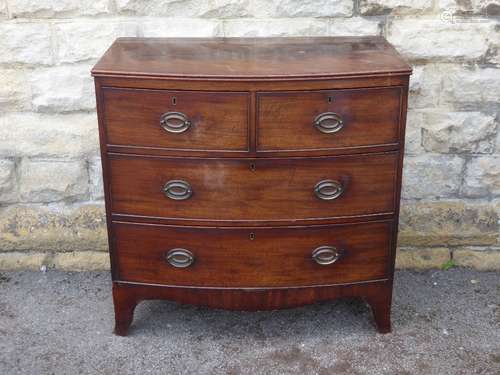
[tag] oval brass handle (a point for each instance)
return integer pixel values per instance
(325, 255)
(180, 258)
(175, 122)
(178, 190)
(328, 122)
(328, 189)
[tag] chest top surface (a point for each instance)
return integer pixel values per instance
(251, 58)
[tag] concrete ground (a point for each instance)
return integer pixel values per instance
(444, 322)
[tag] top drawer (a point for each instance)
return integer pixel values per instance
(176, 120)
(328, 119)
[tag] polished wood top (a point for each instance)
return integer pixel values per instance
(251, 58)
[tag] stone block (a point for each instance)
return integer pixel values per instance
(8, 181)
(59, 8)
(385, 7)
(23, 261)
(81, 261)
(448, 223)
(52, 180)
(422, 258)
(464, 85)
(185, 8)
(184, 27)
(479, 260)
(354, 26)
(425, 82)
(222, 8)
(431, 176)
(15, 92)
(482, 177)
(53, 228)
(3, 10)
(497, 147)
(96, 184)
(63, 89)
(26, 43)
(53, 136)
(459, 132)
(302, 8)
(104, 32)
(431, 38)
(275, 27)
(460, 7)
(413, 137)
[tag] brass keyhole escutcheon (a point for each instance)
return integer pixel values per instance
(252, 236)
(252, 167)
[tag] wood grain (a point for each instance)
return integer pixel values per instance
(229, 189)
(376, 293)
(285, 120)
(251, 58)
(257, 257)
(253, 159)
(219, 121)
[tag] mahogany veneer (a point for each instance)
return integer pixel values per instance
(252, 174)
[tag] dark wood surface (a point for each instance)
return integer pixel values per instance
(251, 58)
(219, 121)
(253, 158)
(252, 258)
(252, 190)
(285, 119)
(126, 296)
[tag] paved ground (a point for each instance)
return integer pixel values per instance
(444, 322)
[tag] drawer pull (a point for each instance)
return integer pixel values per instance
(328, 122)
(325, 255)
(328, 189)
(175, 122)
(180, 258)
(178, 190)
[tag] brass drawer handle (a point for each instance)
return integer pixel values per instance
(328, 190)
(180, 258)
(328, 122)
(175, 122)
(326, 255)
(177, 190)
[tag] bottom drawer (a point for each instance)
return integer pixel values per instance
(256, 257)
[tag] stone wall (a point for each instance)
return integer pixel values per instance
(51, 200)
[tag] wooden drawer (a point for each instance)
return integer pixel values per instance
(328, 120)
(253, 257)
(213, 121)
(253, 189)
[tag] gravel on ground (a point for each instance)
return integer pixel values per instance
(444, 322)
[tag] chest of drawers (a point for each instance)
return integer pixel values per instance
(252, 174)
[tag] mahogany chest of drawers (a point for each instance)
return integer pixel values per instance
(252, 174)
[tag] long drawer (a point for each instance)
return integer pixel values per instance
(253, 189)
(260, 257)
(177, 120)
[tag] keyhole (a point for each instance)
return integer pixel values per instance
(174, 100)
(252, 236)
(330, 99)
(252, 167)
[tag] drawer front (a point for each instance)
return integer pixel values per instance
(178, 120)
(328, 120)
(252, 257)
(246, 189)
